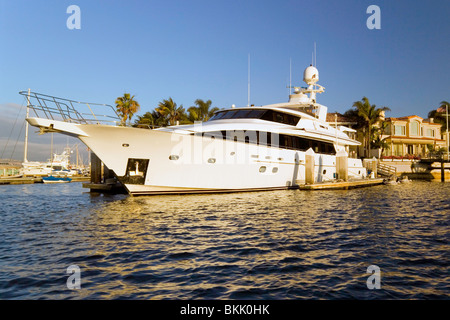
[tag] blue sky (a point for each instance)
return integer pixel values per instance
(199, 49)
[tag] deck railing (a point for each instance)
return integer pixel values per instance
(54, 108)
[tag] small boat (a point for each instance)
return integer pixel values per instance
(17, 176)
(52, 179)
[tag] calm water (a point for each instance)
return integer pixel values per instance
(264, 245)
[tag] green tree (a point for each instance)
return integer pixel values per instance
(370, 115)
(377, 141)
(171, 113)
(126, 106)
(202, 111)
(150, 120)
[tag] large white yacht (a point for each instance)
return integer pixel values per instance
(239, 149)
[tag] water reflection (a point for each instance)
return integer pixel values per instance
(262, 245)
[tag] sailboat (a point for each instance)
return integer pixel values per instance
(55, 179)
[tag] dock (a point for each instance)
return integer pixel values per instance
(345, 185)
(102, 179)
(26, 180)
(31, 180)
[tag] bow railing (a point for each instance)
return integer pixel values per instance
(55, 108)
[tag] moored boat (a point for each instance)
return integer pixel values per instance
(53, 179)
(239, 149)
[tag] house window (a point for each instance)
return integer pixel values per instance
(414, 128)
(398, 149)
(399, 130)
(430, 132)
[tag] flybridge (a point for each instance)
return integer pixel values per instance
(53, 108)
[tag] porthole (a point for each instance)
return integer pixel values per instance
(211, 160)
(262, 169)
(232, 153)
(125, 145)
(174, 157)
(324, 171)
(275, 170)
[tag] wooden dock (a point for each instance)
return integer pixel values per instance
(341, 184)
(31, 180)
(114, 188)
(25, 180)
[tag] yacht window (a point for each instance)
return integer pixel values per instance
(218, 115)
(274, 140)
(269, 115)
(279, 117)
(229, 114)
(242, 114)
(256, 113)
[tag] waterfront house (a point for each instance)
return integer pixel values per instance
(412, 137)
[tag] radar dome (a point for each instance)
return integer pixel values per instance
(311, 75)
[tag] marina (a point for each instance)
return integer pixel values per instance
(191, 154)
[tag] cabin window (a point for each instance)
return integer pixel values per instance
(242, 114)
(276, 140)
(269, 115)
(229, 114)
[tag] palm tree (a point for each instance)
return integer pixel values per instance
(126, 106)
(439, 115)
(371, 115)
(202, 111)
(170, 111)
(149, 120)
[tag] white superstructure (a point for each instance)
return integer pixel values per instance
(239, 149)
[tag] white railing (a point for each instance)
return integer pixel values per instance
(54, 108)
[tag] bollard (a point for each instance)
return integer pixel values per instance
(309, 166)
(342, 165)
(374, 167)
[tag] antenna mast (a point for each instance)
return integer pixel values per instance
(25, 147)
(248, 89)
(315, 58)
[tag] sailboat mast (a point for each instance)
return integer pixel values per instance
(25, 147)
(51, 151)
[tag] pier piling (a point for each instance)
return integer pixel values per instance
(309, 166)
(342, 165)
